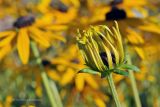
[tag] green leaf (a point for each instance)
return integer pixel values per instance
(121, 72)
(88, 70)
(130, 67)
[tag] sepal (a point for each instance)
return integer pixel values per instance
(121, 72)
(130, 67)
(88, 70)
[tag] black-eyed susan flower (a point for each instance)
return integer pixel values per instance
(25, 29)
(130, 28)
(133, 8)
(63, 11)
(102, 49)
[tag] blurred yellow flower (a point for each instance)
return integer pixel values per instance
(64, 11)
(25, 29)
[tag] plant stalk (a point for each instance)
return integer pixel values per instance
(51, 93)
(133, 84)
(113, 90)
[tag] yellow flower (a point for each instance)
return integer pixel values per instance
(25, 29)
(131, 6)
(129, 29)
(101, 48)
(63, 11)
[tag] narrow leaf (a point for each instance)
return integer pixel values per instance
(130, 67)
(87, 70)
(121, 72)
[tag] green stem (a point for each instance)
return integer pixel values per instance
(56, 94)
(113, 90)
(48, 89)
(133, 84)
(45, 80)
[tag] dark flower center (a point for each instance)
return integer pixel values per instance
(59, 6)
(116, 14)
(115, 2)
(24, 21)
(46, 62)
(104, 58)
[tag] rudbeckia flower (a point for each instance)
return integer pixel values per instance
(63, 11)
(130, 28)
(95, 11)
(133, 8)
(25, 29)
(102, 50)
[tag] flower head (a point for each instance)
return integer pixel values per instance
(29, 28)
(102, 49)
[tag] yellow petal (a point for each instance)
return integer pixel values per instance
(53, 75)
(55, 36)
(42, 6)
(99, 102)
(23, 44)
(119, 41)
(96, 53)
(90, 80)
(67, 77)
(76, 3)
(39, 36)
(4, 51)
(46, 20)
(134, 3)
(99, 17)
(107, 42)
(57, 27)
(109, 57)
(117, 78)
(150, 28)
(140, 52)
(93, 60)
(5, 33)
(79, 81)
(134, 37)
(64, 18)
(8, 39)
(59, 37)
